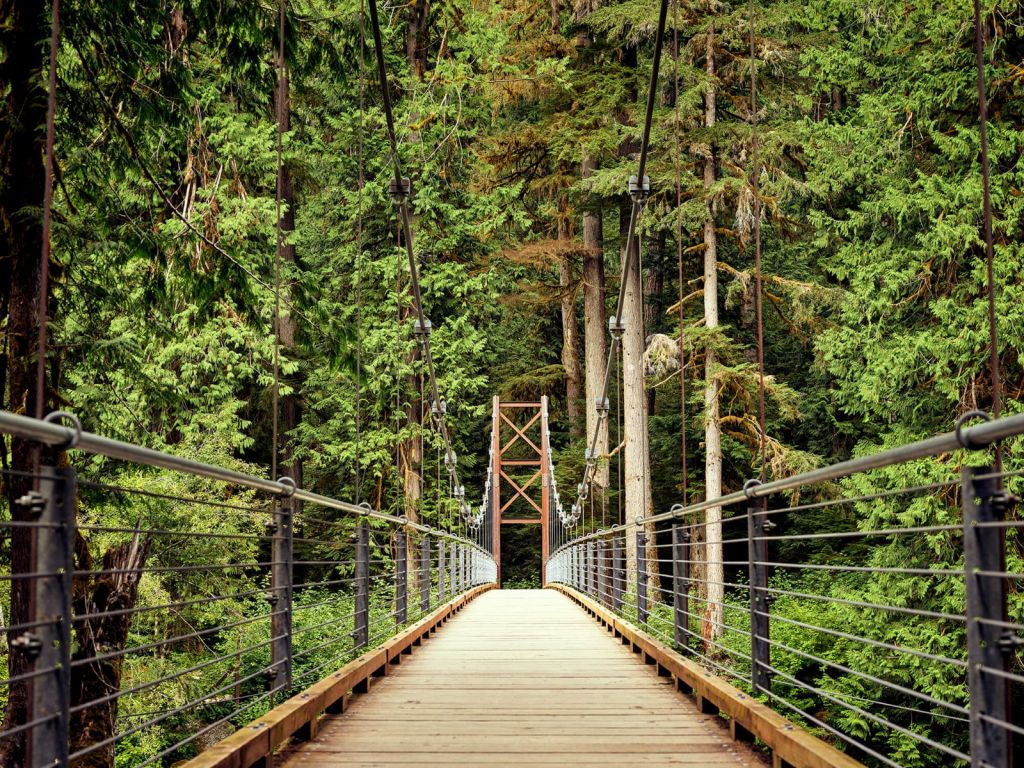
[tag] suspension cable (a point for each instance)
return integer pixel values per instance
(756, 184)
(400, 195)
(979, 56)
(359, 254)
(280, 114)
(639, 195)
(44, 259)
(679, 246)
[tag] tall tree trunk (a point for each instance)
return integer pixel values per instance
(711, 627)
(570, 333)
(595, 340)
(637, 479)
(23, 25)
(417, 40)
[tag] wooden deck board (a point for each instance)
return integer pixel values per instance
(520, 678)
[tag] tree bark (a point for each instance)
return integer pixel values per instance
(570, 333)
(595, 331)
(23, 25)
(711, 626)
(417, 39)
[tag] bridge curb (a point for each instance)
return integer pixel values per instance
(790, 744)
(255, 743)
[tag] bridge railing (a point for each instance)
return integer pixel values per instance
(877, 601)
(153, 603)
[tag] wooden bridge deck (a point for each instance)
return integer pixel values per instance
(519, 678)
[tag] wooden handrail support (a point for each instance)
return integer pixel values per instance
(790, 744)
(255, 744)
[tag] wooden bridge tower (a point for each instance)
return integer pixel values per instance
(520, 469)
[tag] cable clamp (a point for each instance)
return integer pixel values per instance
(34, 502)
(289, 486)
(964, 440)
(749, 486)
(76, 435)
(639, 192)
(422, 330)
(616, 326)
(399, 194)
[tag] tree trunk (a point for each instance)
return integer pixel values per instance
(116, 590)
(570, 333)
(711, 627)
(23, 25)
(417, 40)
(637, 480)
(595, 332)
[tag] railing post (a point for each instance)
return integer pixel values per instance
(590, 567)
(362, 607)
(425, 575)
(641, 577)
(602, 575)
(760, 602)
(618, 574)
(401, 578)
(50, 641)
(452, 573)
(281, 574)
(988, 642)
(441, 563)
(681, 586)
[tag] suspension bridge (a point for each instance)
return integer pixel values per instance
(333, 634)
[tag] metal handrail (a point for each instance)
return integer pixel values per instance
(50, 433)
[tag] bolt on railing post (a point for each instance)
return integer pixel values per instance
(281, 587)
(362, 606)
(988, 659)
(760, 602)
(441, 562)
(47, 743)
(618, 574)
(681, 586)
(425, 575)
(641, 577)
(401, 578)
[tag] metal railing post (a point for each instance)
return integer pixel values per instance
(618, 574)
(362, 607)
(602, 574)
(641, 577)
(681, 586)
(760, 602)
(425, 575)
(988, 642)
(48, 644)
(401, 578)
(441, 563)
(590, 567)
(452, 570)
(281, 575)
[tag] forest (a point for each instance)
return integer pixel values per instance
(226, 275)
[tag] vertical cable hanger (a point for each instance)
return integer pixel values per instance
(756, 185)
(44, 258)
(979, 58)
(281, 85)
(359, 255)
(679, 249)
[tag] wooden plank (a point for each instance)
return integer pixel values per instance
(787, 740)
(521, 678)
(257, 740)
